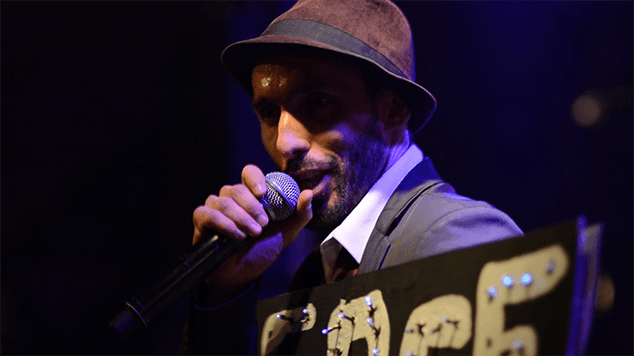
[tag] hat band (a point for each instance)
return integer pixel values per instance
(331, 36)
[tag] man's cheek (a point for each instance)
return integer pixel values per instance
(269, 139)
(332, 194)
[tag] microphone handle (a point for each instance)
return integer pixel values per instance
(141, 309)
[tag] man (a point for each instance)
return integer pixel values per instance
(333, 87)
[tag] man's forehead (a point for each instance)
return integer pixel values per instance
(289, 57)
(307, 72)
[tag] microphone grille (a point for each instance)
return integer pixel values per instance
(281, 196)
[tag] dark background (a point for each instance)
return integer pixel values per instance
(117, 121)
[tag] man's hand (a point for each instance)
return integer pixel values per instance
(236, 212)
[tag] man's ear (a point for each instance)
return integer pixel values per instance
(393, 110)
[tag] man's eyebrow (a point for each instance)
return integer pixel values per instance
(311, 86)
(256, 104)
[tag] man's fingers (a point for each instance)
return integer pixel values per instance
(224, 216)
(207, 221)
(303, 214)
(253, 178)
(247, 201)
(304, 208)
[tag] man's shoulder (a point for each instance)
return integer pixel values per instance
(440, 220)
(441, 205)
(424, 202)
(426, 217)
(441, 201)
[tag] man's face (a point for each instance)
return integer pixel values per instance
(319, 125)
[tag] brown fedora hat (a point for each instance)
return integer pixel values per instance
(375, 31)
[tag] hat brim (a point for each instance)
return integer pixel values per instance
(239, 60)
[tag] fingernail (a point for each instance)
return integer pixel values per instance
(262, 219)
(256, 229)
(309, 207)
(240, 235)
(259, 189)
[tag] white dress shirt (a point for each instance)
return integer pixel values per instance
(354, 232)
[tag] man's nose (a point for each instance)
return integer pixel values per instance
(292, 136)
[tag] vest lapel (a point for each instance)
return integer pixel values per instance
(417, 181)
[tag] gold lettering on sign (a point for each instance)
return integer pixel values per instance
(289, 321)
(514, 281)
(361, 318)
(443, 322)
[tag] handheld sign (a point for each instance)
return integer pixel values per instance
(527, 295)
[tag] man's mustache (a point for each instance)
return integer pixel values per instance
(306, 163)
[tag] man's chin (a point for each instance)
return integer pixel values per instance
(326, 217)
(318, 224)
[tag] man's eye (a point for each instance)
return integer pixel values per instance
(317, 101)
(269, 113)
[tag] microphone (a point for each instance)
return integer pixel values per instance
(205, 256)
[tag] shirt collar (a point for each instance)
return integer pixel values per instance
(354, 232)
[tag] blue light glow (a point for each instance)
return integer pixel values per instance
(507, 281)
(368, 301)
(492, 291)
(527, 279)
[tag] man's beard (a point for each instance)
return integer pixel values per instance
(362, 165)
